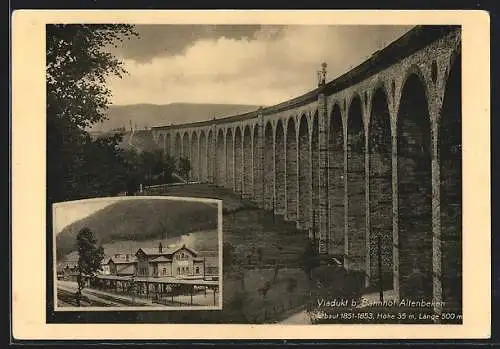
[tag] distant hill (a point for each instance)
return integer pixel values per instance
(145, 116)
(141, 220)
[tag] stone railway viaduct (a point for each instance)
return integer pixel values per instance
(375, 153)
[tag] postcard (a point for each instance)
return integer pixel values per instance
(251, 174)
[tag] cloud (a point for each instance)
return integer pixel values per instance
(264, 67)
(164, 40)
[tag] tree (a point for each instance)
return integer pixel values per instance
(77, 98)
(276, 270)
(264, 289)
(90, 257)
(229, 256)
(157, 167)
(231, 263)
(148, 168)
(134, 170)
(168, 169)
(101, 169)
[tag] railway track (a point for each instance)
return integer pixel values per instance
(93, 298)
(68, 299)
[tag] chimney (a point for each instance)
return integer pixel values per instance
(160, 248)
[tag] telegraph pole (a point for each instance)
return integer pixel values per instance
(314, 234)
(274, 218)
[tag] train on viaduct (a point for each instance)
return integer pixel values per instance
(373, 154)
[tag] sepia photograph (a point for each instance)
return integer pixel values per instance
(126, 254)
(245, 171)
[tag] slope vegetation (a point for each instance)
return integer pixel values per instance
(140, 220)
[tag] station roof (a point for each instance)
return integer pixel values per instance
(160, 259)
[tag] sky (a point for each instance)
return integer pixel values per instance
(239, 64)
(67, 213)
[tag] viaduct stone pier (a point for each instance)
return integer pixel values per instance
(374, 155)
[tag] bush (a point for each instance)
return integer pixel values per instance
(334, 282)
